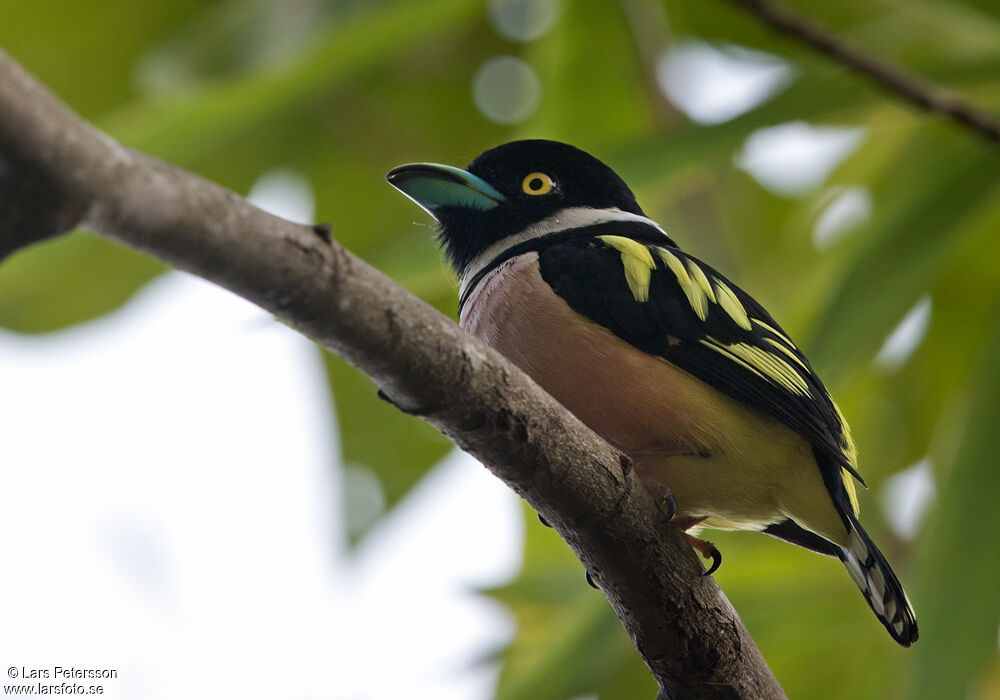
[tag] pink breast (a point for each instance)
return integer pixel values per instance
(636, 401)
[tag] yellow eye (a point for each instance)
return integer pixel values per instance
(537, 183)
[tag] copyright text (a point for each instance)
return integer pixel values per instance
(57, 680)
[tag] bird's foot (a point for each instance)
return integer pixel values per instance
(590, 581)
(708, 550)
(542, 520)
(666, 503)
(663, 495)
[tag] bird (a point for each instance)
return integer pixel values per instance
(668, 360)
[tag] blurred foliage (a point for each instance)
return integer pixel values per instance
(341, 91)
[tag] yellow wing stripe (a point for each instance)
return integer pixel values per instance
(765, 364)
(774, 367)
(700, 291)
(731, 305)
(851, 452)
(698, 275)
(693, 291)
(637, 261)
(724, 351)
(787, 352)
(852, 492)
(776, 332)
(850, 449)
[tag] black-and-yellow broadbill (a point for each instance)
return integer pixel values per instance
(659, 353)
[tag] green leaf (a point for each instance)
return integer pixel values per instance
(233, 38)
(85, 51)
(564, 650)
(606, 86)
(569, 640)
(957, 604)
(69, 280)
(922, 207)
(906, 414)
(192, 125)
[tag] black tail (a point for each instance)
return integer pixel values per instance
(881, 588)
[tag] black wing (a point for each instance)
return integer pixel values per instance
(669, 304)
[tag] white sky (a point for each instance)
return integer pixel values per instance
(169, 507)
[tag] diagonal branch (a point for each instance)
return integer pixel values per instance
(910, 87)
(681, 623)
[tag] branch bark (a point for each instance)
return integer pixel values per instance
(910, 87)
(686, 630)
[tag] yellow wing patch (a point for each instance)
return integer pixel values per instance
(637, 261)
(784, 349)
(725, 351)
(700, 291)
(694, 292)
(781, 336)
(847, 440)
(851, 452)
(783, 344)
(764, 363)
(852, 492)
(698, 275)
(731, 305)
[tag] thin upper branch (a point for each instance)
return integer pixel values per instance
(912, 88)
(689, 635)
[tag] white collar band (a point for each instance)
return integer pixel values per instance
(563, 220)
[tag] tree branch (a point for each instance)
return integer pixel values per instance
(685, 629)
(908, 86)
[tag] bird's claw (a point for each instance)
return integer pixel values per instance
(666, 498)
(542, 520)
(716, 561)
(708, 550)
(590, 580)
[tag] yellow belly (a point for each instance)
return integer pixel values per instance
(724, 462)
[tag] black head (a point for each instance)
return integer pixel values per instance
(507, 189)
